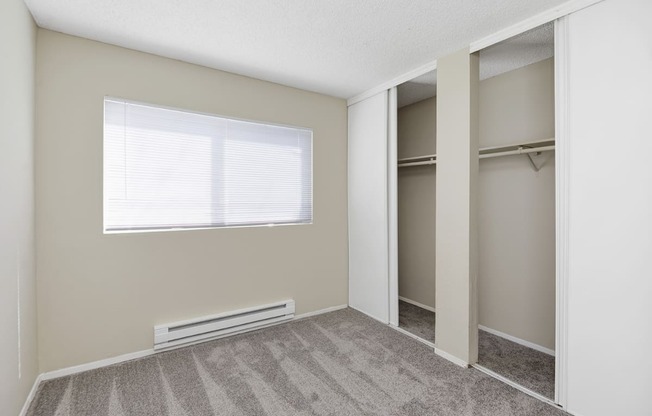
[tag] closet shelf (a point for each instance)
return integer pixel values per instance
(531, 149)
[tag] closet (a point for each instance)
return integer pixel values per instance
(547, 252)
(393, 168)
(516, 211)
(416, 164)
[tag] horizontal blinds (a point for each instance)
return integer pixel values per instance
(166, 168)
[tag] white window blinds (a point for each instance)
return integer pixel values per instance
(166, 169)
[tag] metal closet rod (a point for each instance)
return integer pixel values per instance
(422, 163)
(523, 150)
(519, 151)
(417, 158)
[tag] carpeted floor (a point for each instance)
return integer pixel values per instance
(341, 363)
(416, 320)
(525, 366)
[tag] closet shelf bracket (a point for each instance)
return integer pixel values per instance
(538, 159)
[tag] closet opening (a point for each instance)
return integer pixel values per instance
(416, 127)
(516, 212)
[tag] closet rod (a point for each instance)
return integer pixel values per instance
(519, 151)
(423, 163)
(417, 158)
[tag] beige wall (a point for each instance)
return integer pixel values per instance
(18, 357)
(416, 203)
(417, 129)
(100, 295)
(457, 180)
(516, 281)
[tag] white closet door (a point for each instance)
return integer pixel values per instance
(368, 230)
(609, 324)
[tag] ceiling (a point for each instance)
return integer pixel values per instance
(521, 50)
(334, 47)
(417, 89)
(527, 48)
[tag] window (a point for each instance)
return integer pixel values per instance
(170, 169)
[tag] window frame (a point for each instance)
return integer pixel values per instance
(207, 227)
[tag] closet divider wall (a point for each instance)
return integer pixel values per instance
(456, 214)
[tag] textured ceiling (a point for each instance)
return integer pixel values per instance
(417, 89)
(522, 50)
(335, 47)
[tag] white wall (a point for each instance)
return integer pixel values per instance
(516, 272)
(18, 357)
(417, 134)
(610, 219)
(101, 295)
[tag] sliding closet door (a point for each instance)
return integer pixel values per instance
(609, 326)
(368, 215)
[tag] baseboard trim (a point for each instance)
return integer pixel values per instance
(518, 340)
(67, 371)
(411, 335)
(443, 354)
(415, 303)
(369, 315)
(320, 312)
(453, 359)
(30, 396)
(145, 353)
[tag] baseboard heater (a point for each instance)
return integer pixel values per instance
(220, 325)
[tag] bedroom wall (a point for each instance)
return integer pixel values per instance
(100, 295)
(18, 342)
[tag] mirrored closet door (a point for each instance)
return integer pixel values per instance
(416, 169)
(516, 215)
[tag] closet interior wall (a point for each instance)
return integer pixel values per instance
(516, 282)
(416, 203)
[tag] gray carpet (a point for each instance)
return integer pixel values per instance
(525, 366)
(416, 320)
(341, 363)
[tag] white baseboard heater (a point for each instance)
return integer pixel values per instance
(220, 325)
